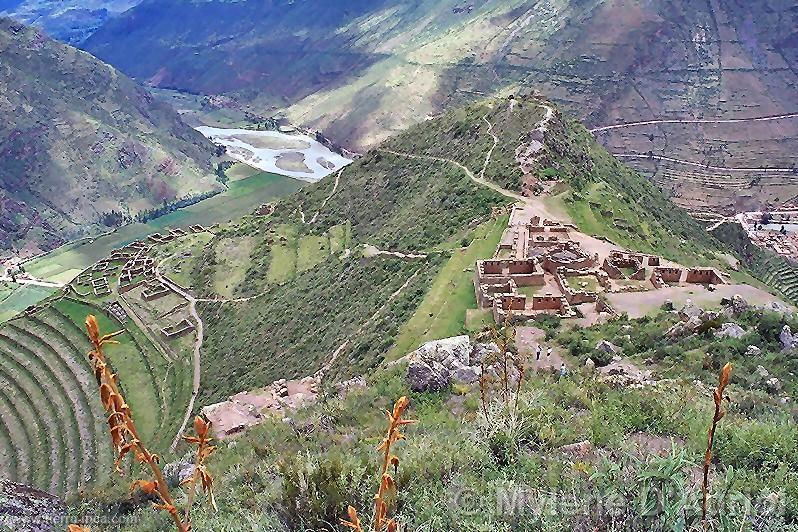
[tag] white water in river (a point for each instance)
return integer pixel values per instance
(297, 156)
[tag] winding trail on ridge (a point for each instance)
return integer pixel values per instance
(534, 202)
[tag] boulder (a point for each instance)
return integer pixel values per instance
(427, 376)
(776, 306)
(668, 305)
(738, 305)
(590, 365)
(620, 374)
(752, 351)
(730, 330)
(773, 385)
(481, 351)
(762, 372)
(451, 352)
(437, 363)
(466, 374)
(607, 347)
(788, 341)
(690, 310)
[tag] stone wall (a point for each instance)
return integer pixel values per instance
(704, 276)
(669, 275)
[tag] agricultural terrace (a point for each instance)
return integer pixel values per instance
(243, 196)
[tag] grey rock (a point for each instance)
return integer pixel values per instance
(481, 351)
(668, 305)
(752, 351)
(776, 306)
(788, 341)
(773, 384)
(607, 347)
(466, 374)
(738, 305)
(690, 310)
(590, 365)
(762, 372)
(730, 330)
(427, 376)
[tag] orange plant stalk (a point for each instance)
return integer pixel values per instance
(718, 397)
(124, 435)
(387, 490)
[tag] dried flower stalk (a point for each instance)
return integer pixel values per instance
(718, 397)
(125, 437)
(386, 492)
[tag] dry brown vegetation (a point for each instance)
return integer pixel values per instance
(386, 493)
(718, 397)
(125, 437)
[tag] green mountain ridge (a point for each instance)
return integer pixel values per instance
(407, 205)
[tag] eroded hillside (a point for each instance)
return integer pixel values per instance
(359, 72)
(84, 147)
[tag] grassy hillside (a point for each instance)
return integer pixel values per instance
(622, 458)
(83, 146)
(298, 275)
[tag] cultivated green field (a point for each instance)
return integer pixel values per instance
(243, 196)
(16, 298)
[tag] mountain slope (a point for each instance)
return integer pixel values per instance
(69, 21)
(344, 68)
(301, 302)
(81, 144)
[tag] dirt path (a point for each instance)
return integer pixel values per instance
(527, 339)
(695, 121)
(323, 203)
(700, 165)
(373, 251)
(504, 192)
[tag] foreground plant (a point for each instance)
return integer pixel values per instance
(718, 397)
(502, 385)
(125, 437)
(386, 493)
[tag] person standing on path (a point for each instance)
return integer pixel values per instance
(563, 371)
(548, 352)
(537, 352)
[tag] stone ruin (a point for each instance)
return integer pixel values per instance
(535, 258)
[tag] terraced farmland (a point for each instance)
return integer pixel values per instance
(52, 427)
(52, 433)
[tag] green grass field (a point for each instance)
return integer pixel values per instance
(243, 197)
(141, 371)
(442, 313)
(14, 299)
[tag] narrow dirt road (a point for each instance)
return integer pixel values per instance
(701, 165)
(695, 121)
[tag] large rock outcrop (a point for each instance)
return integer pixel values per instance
(436, 364)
